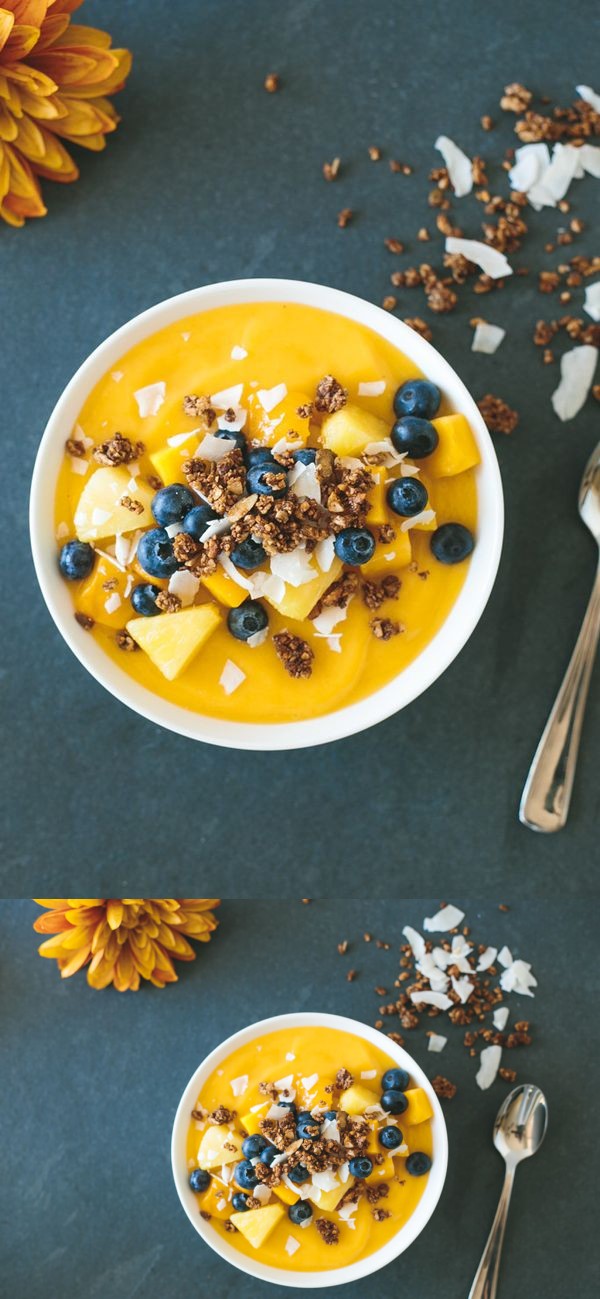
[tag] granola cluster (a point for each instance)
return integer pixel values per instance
(118, 450)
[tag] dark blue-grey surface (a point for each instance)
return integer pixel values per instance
(91, 1082)
(207, 178)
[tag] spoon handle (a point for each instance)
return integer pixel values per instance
(486, 1277)
(547, 793)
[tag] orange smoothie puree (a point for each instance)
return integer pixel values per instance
(306, 1066)
(277, 347)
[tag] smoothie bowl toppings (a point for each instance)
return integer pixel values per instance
(311, 1171)
(294, 547)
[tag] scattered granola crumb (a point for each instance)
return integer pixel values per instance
(199, 408)
(230, 1226)
(129, 503)
(125, 641)
(596, 391)
(75, 448)
(380, 1214)
(351, 975)
(394, 245)
(389, 302)
(487, 122)
(306, 410)
(170, 603)
(499, 416)
(343, 947)
(443, 1087)
(423, 235)
(375, 593)
(118, 450)
(222, 1115)
(329, 395)
(331, 169)
(345, 217)
(272, 82)
(385, 628)
(420, 326)
(508, 1075)
(516, 99)
(374, 152)
(84, 621)
(294, 653)
(329, 1231)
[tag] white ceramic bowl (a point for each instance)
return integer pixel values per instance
(415, 678)
(364, 1266)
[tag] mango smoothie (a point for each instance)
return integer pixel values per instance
(309, 1148)
(264, 512)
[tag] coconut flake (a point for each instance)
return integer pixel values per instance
(254, 641)
(463, 989)
(488, 1067)
(173, 529)
(438, 999)
(369, 1073)
(214, 448)
(117, 375)
(386, 449)
(215, 528)
(228, 397)
(178, 439)
(79, 465)
(306, 483)
(373, 388)
(518, 978)
(262, 1193)
(226, 1173)
(324, 553)
(449, 917)
(487, 958)
(291, 1245)
(238, 353)
(294, 567)
(459, 167)
(576, 374)
(150, 399)
(330, 1130)
(531, 161)
(62, 531)
(277, 1112)
(555, 180)
(487, 338)
(267, 585)
(113, 602)
(425, 516)
(232, 425)
(290, 1055)
(500, 1018)
(234, 573)
(415, 940)
(310, 1082)
(231, 677)
(505, 957)
(325, 622)
(589, 158)
(284, 444)
(239, 1085)
(591, 302)
(269, 398)
(590, 96)
(343, 1173)
(184, 584)
(490, 260)
(346, 1213)
(326, 1181)
(436, 1042)
(284, 1084)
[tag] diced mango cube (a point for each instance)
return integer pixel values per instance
(418, 1136)
(171, 640)
(330, 1199)
(284, 1193)
(299, 600)
(168, 461)
(418, 1108)
(224, 589)
(378, 511)
(356, 1099)
(92, 599)
(399, 551)
(99, 511)
(457, 449)
(251, 1122)
(382, 1172)
(214, 1201)
(257, 1224)
(351, 429)
(214, 1149)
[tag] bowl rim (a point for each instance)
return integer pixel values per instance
(351, 718)
(351, 1271)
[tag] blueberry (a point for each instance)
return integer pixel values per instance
(397, 1079)
(255, 480)
(171, 503)
(452, 543)
(361, 1167)
(414, 435)
(76, 560)
(155, 553)
(245, 1175)
(299, 1174)
(393, 1101)
(354, 545)
(197, 520)
(249, 554)
(261, 456)
(407, 496)
(254, 1145)
(143, 599)
(300, 1212)
(288, 1105)
(199, 1179)
(307, 1128)
(418, 1163)
(244, 622)
(237, 437)
(240, 1202)
(306, 456)
(417, 397)
(390, 1138)
(267, 1155)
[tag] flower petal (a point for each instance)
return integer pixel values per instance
(75, 963)
(69, 66)
(7, 22)
(21, 41)
(8, 124)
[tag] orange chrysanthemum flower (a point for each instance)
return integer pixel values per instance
(54, 78)
(123, 940)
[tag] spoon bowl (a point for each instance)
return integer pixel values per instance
(521, 1123)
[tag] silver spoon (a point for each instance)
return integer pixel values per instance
(519, 1130)
(547, 793)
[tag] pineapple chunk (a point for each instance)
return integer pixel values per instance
(251, 1122)
(224, 589)
(419, 1108)
(99, 513)
(257, 1224)
(356, 1099)
(168, 460)
(172, 639)
(351, 429)
(330, 1199)
(284, 1193)
(92, 598)
(457, 449)
(214, 1201)
(212, 1151)
(299, 600)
